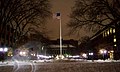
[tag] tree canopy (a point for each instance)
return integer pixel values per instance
(94, 15)
(23, 15)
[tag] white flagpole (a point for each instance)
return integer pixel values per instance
(60, 38)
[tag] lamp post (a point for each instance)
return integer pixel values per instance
(103, 52)
(4, 50)
(91, 56)
(44, 50)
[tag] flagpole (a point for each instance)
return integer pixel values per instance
(58, 16)
(60, 39)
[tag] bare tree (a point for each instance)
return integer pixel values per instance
(23, 15)
(84, 39)
(94, 15)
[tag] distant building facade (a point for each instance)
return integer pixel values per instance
(109, 39)
(68, 47)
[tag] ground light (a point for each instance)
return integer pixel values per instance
(59, 57)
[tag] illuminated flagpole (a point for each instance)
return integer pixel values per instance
(60, 38)
(58, 16)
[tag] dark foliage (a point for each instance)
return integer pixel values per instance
(94, 15)
(23, 15)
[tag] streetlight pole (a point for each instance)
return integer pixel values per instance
(103, 52)
(3, 51)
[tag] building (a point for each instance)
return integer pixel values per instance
(107, 39)
(68, 47)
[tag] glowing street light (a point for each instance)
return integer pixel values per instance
(91, 53)
(84, 55)
(4, 49)
(103, 52)
(1, 49)
(33, 54)
(23, 53)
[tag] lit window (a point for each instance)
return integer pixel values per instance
(113, 30)
(105, 34)
(112, 51)
(110, 30)
(115, 45)
(114, 39)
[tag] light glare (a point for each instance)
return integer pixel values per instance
(5, 49)
(1, 49)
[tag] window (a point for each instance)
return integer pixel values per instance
(105, 34)
(114, 40)
(113, 30)
(115, 45)
(110, 30)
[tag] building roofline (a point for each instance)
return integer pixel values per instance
(98, 33)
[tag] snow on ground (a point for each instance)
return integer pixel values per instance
(61, 66)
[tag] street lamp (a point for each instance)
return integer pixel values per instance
(103, 52)
(4, 49)
(84, 55)
(1, 49)
(23, 53)
(44, 51)
(91, 55)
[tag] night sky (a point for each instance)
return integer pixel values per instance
(64, 7)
